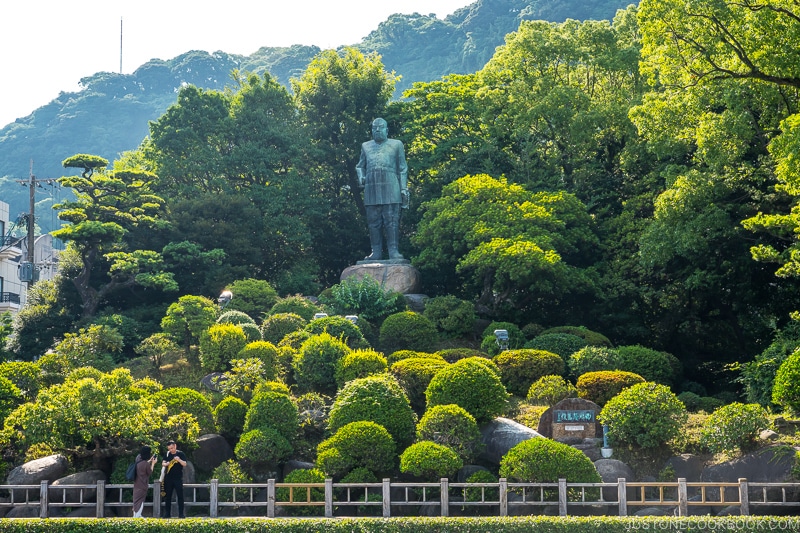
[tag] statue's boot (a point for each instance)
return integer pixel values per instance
(391, 241)
(376, 242)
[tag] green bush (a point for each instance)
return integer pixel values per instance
(691, 400)
(183, 400)
(476, 494)
(267, 353)
(429, 461)
(294, 340)
(735, 426)
(10, 397)
(26, 375)
(601, 386)
(516, 339)
(452, 426)
(219, 344)
(340, 328)
(520, 368)
(549, 390)
(378, 399)
(414, 375)
(645, 415)
(315, 363)
(451, 355)
(786, 391)
(272, 386)
(357, 445)
(252, 296)
(758, 376)
(229, 415)
(235, 317)
(592, 338)
(229, 472)
(272, 410)
(652, 365)
(563, 344)
(303, 475)
(471, 385)
(541, 460)
(359, 364)
(399, 355)
(363, 297)
(592, 359)
(262, 449)
(407, 331)
(452, 316)
(251, 331)
(709, 404)
(277, 326)
(297, 305)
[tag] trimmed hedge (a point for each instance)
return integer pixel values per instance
(229, 414)
(454, 427)
(277, 326)
(563, 344)
(414, 375)
(652, 365)
(356, 445)
(472, 384)
(592, 338)
(359, 364)
(429, 461)
(407, 331)
(315, 363)
(520, 368)
(272, 410)
(541, 460)
(601, 386)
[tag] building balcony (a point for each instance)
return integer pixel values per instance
(9, 301)
(10, 247)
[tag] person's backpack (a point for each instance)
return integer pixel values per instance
(130, 473)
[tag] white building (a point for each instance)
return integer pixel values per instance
(13, 252)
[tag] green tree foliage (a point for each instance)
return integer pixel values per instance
(109, 205)
(338, 96)
(188, 318)
(786, 391)
(451, 316)
(97, 417)
(235, 317)
(315, 363)
(564, 344)
(471, 385)
(652, 365)
(229, 416)
(93, 346)
(219, 345)
(376, 399)
(25, 375)
(758, 375)
(407, 330)
(451, 426)
(510, 245)
(10, 397)
(519, 369)
(734, 427)
(295, 304)
(645, 415)
(254, 297)
(429, 461)
(242, 378)
(179, 400)
(272, 410)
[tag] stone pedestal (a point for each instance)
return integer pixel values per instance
(393, 274)
(571, 419)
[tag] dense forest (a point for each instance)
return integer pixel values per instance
(633, 176)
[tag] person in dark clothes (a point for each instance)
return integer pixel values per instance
(144, 469)
(173, 462)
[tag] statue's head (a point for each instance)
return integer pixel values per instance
(380, 130)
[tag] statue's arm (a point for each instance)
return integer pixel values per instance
(402, 167)
(361, 168)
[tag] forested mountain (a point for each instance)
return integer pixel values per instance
(110, 113)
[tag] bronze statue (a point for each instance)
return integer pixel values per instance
(383, 173)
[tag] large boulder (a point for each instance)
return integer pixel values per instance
(89, 477)
(686, 466)
(772, 464)
(212, 450)
(610, 471)
(34, 472)
(502, 434)
(398, 276)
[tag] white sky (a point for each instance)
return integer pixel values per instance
(47, 46)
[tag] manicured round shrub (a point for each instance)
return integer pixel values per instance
(592, 338)
(786, 391)
(601, 386)
(399, 355)
(272, 386)
(690, 400)
(520, 368)
(646, 415)
(219, 344)
(541, 460)
(251, 331)
(549, 390)
(294, 340)
(414, 375)
(735, 426)
(272, 410)
(359, 364)
(652, 365)
(563, 344)
(377, 399)
(429, 461)
(267, 353)
(758, 376)
(183, 400)
(407, 331)
(276, 327)
(315, 363)
(452, 426)
(338, 327)
(451, 315)
(297, 305)
(229, 415)
(252, 296)
(476, 494)
(471, 385)
(303, 475)
(451, 355)
(261, 449)
(592, 359)
(235, 317)
(357, 445)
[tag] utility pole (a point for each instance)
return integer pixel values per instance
(32, 183)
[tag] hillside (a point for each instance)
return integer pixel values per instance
(110, 113)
